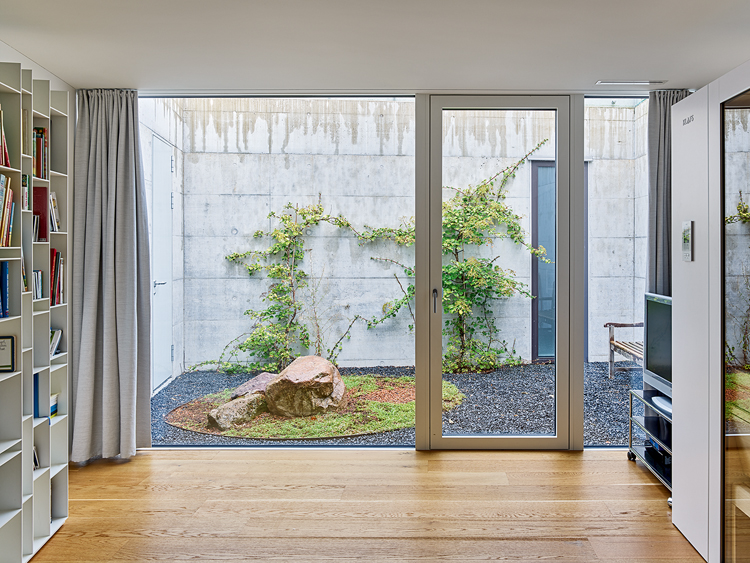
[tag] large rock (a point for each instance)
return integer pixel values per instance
(237, 411)
(255, 385)
(309, 385)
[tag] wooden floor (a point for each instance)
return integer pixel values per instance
(368, 505)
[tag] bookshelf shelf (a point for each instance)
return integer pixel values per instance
(33, 502)
(55, 469)
(8, 515)
(5, 445)
(8, 89)
(4, 376)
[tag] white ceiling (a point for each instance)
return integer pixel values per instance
(378, 46)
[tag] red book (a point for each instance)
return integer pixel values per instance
(52, 261)
(40, 205)
(39, 152)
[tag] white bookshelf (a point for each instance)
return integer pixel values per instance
(34, 502)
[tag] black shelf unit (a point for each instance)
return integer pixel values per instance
(656, 450)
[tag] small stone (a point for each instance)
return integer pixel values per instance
(256, 384)
(240, 410)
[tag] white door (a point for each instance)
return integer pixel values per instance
(161, 267)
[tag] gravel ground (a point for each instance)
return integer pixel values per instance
(514, 400)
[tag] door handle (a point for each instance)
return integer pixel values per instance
(159, 283)
(434, 300)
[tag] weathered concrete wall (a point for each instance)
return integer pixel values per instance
(737, 236)
(246, 157)
(616, 152)
(163, 117)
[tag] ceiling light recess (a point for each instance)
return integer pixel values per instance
(629, 82)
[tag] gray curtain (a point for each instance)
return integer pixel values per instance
(660, 188)
(111, 300)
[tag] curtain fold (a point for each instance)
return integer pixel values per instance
(659, 276)
(111, 360)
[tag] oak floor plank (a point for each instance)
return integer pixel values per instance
(308, 506)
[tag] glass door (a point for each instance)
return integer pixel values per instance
(499, 271)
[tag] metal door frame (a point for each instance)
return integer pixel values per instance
(570, 275)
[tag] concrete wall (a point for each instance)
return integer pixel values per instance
(246, 157)
(163, 118)
(737, 236)
(616, 151)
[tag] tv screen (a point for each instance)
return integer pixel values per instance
(658, 335)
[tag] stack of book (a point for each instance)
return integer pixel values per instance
(54, 341)
(41, 147)
(54, 214)
(4, 279)
(4, 157)
(36, 285)
(56, 277)
(8, 210)
(53, 404)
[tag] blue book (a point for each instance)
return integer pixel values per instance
(4, 312)
(36, 395)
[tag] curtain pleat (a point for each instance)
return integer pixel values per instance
(111, 281)
(660, 103)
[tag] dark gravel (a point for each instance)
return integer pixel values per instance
(514, 400)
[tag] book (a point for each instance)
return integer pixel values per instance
(7, 353)
(35, 228)
(36, 284)
(60, 295)
(40, 204)
(41, 146)
(10, 223)
(54, 212)
(36, 395)
(35, 461)
(25, 183)
(54, 256)
(4, 157)
(54, 341)
(4, 311)
(5, 215)
(23, 272)
(53, 399)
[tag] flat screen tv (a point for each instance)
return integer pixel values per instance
(657, 343)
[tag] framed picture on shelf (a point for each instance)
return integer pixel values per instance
(7, 353)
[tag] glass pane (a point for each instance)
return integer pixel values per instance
(544, 301)
(737, 331)
(499, 244)
(293, 236)
(616, 226)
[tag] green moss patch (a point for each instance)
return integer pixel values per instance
(370, 405)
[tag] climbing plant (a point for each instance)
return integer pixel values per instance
(475, 216)
(280, 332)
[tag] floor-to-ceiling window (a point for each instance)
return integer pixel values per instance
(736, 180)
